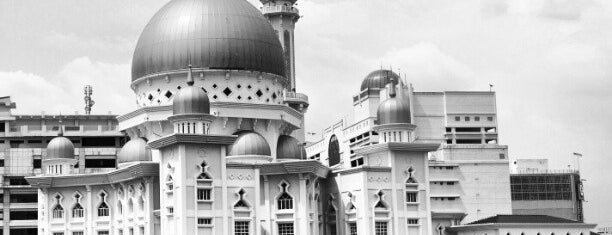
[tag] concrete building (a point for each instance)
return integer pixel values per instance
(523, 225)
(536, 190)
(23, 141)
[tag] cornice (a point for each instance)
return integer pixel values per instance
(287, 167)
(194, 139)
(135, 171)
(413, 147)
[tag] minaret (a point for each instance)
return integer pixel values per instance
(283, 16)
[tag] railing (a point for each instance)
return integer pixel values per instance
(278, 9)
(546, 171)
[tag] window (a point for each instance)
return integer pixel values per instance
(169, 183)
(1, 162)
(380, 228)
(58, 233)
(78, 211)
(103, 209)
(502, 156)
(100, 163)
(204, 221)
(78, 233)
(2, 127)
(352, 228)
(457, 118)
(413, 221)
(23, 215)
(380, 204)
(23, 198)
(241, 228)
(37, 163)
(333, 151)
(285, 201)
(490, 119)
(170, 210)
(467, 119)
(58, 212)
(477, 119)
(204, 194)
(411, 196)
(285, 229)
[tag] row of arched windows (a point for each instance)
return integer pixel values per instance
(102, 210)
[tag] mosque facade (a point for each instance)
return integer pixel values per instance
(217, 144)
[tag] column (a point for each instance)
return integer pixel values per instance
(302, 210)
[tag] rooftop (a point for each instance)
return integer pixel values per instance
(522, 219)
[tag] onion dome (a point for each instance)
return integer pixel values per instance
(211, 34)
(135, 150)
(190, 99)
(394, 110)
(289, 148)
(379, 79)
(250, 143)
(60, 147)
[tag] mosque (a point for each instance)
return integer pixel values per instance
(217, 145)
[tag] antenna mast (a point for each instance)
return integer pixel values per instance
(88, 90)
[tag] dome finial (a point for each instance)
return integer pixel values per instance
(190, 81)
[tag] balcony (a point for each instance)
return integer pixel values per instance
(297, 101)
(273, 10)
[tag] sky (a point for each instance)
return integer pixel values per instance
(550, 62)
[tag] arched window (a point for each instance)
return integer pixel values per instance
(103, 209)
(58, 210)
(140, 203)
(119, 207)
(130, 206)
(241, 203)
(285, 201)
(77, 209)
(333, 151)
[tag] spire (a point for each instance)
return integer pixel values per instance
(189, 76)
(61, 127)
(392, 88)
(400, 85)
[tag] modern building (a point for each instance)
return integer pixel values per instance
(523, 225)
(216, 144)
(23, 142)
(536, 190)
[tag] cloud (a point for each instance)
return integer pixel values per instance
(62, 92)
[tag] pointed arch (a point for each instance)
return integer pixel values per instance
(58, 209)
(77, 209)
(380, 203)
(242, 203)
(141, 207)
(204, 175)
(284, 201)
(169, 183)
(103, 208)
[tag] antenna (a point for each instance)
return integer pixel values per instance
(88, 90)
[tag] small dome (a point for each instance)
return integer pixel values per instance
(393, 111)
(60, 147)
(191, 100)
(135, 150)
(250, 143)
(289, 148)
(379, 79)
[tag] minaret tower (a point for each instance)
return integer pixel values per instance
(283, 16)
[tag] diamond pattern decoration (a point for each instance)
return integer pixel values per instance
(259, 93)
(239, 86)
(168, 94)
(227, 91)
(205, 91)
(274, 96)
(178, 87)
(214, 86)
(215, 97)
(239, 97)
(150, 97)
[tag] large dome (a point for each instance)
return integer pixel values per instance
(60, 147)
(209, 34)
(378, 79)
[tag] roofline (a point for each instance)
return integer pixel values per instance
(517, 225)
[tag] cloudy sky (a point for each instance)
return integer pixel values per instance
(550, 62)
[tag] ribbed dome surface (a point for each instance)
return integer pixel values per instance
(289, 148)
(393, 111)
(379, 79)
(135, 150)
(215, 34)
(191, 100)
(60, 147)
(250, 143)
